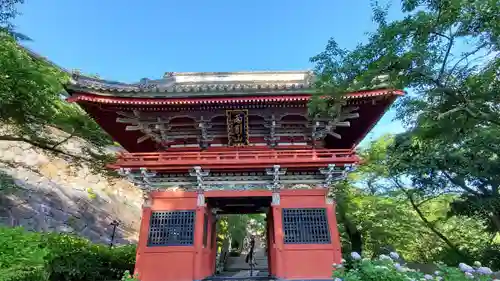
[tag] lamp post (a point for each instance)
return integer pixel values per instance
(114, 223)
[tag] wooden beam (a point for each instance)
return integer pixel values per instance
(133, 128)
(335, 135)
(320, 129)
(343, 124)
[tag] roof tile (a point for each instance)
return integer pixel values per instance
(202, 82)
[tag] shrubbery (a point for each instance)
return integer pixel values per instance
(390, 268)
(129, 277)
(32, 256)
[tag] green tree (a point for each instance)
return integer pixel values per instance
(31, 91)
(387, 213)
(31, 97)
(236, 226)
(446, 53)
(8, 11)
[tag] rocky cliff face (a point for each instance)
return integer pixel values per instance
(43, 192)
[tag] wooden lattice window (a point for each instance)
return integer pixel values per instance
(171, 228)
(306, 226)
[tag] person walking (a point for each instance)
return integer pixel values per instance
(250, 258)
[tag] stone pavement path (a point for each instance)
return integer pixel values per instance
(239, 264)
(246, 273)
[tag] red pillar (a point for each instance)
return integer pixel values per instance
(213, 243)
(278, 259)
(334, 231)
(143, 234)
(200, 261)
(270, 242)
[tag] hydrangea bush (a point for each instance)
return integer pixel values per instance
(388, 268)
(129, 277)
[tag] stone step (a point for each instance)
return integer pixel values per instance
(238, 263)
(232, 261)
(246, 273)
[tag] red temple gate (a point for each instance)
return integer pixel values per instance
(205, 144)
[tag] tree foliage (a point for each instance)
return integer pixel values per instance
(31, 97)
(446, 55)
(32, 256)
(8, 11)
(236, 227)
(384, 213)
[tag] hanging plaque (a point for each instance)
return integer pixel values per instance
(237, 127)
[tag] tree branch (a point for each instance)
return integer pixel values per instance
(459, 183)
(429, 78)
(430, 225)
(495, 219)
(460, 98)
(486, 117)
(44, 146)
(429, 199)
(451, 111)
(483, 188)
(466, 56)
(445, 59)
(72, 134)
(441, 35)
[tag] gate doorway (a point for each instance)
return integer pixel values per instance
(242, 236)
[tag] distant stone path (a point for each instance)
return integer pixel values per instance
(238, 263)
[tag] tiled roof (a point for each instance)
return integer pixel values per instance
(226, 100)
(200, 82)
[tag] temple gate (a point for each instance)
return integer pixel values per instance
(205, 144)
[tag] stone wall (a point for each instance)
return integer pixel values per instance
(44, 192)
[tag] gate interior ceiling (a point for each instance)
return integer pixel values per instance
(243, 205)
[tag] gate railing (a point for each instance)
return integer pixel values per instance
(237, 159)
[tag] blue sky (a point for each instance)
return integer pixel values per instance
(124, 40)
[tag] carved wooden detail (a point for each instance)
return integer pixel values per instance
(321, 127)
(198, 179)
(202, 129)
